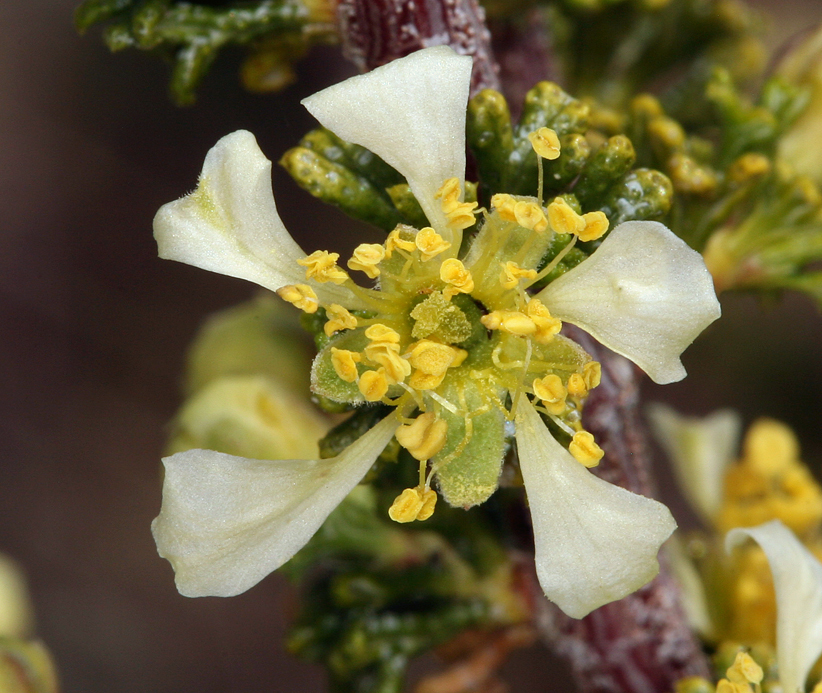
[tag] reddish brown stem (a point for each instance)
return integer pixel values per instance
(375, 32)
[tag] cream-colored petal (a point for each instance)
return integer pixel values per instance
(410, 113)
(595, 542)
(797, 577)
(700, 450)
(227, 522)
(644, 293)
(230, 224)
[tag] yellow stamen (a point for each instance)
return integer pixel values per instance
(547, 326)
(592, 373)
(373, 385)
(430, 243)
(338, 319)
(413, 504)
(585, 450)
(381, 335)
(345, 363)
(300, 295)
(545, 143)
(396, 241)
(432, 357)
(366, 257)
(745, 670)
(552, 393)
(322, 267)
(504, 204)
(397, 369)
(529, 215)
(459, 215)
(512, 273)
(563, 218)
(424, 437)
(596, 224)
(577, 386)
(725, 686)
(459, 279)
(510, 321)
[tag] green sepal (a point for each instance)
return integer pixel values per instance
(471, 477)
(337, 185)
(643, 194)
(490, 136)
(610, 162)
(559, 173)
(352, 156)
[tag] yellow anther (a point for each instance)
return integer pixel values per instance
(432, 357)
(366, 257)
(396, 368)
(745, 670)
(585, 450)
(459, 279)
(646, 105)
(576, 385)
(373, 385)
(547, 326)
(345, 363)
(430, 243)
(300, 295)
(424, 437)
(413, 504)
(545, 143)
(429, 502)
(529, 215)
(381, 335)
(512, 273)
(563, 218)
(510, 321)
(504, 204)
(449, 192)
(338, 319)
(596, 224)
(420, 380)
(592, 373)
(322, 267)
(552, 393)
(461, 216)
(395, 240)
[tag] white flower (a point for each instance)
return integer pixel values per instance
(797, 578)
(226, 521)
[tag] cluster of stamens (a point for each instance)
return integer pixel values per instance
(416, 284)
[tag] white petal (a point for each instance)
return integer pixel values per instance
(595, 542)
(700, 450)
(230, 224)
(410, 113)
(227, 522)
(797, 577)
(644, 293)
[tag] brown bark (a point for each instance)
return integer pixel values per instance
(375, 32)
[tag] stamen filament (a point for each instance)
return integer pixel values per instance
(551, 265)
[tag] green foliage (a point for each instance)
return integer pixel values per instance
(191, 35)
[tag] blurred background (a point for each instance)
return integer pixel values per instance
(94, 329)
